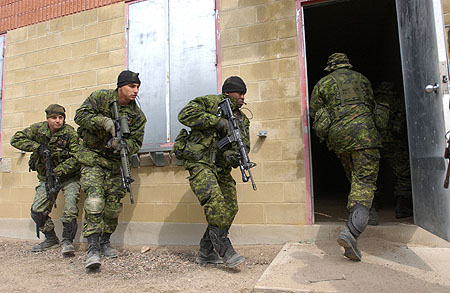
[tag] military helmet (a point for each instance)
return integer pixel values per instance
(336, 61)
(385, 87)
(54, 110)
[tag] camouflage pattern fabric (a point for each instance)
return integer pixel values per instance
(352, 126)
(63, 145)
(395, 144)
(210, 177)
(361, 168)
(216, 193)
(41, 204)
(100, 176)
(336, 61)
(102, 207)
(348, 98)
(90, 119)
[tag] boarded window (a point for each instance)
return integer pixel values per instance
(172, 44)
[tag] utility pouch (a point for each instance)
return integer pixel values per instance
(33, 161)
(381, 115)
(180, 144)
(322, 122)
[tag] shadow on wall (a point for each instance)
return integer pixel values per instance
(174, 231)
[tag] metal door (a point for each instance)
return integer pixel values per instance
(421, 44)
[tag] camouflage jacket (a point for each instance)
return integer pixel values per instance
(395, 133)
(201, 115)
(352, 123)
(63, 146)
(89, 116)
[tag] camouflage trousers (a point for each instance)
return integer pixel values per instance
(398, 160)
(41, 204)
(102, 206)
(361, 168)
(217, 195)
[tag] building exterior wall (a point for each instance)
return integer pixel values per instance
(57, 61)
(62, 60)
(19, 13)
(446, 12)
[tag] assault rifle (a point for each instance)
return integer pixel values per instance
(447, 156)
(52, 186)
(236, 129)
(122, 134)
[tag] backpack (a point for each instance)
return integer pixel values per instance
(180, 144)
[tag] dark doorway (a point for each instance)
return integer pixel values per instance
(366, 30)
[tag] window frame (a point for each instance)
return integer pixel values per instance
(157, 148)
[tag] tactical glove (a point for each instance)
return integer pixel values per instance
(232, 158)
(222, 127)
(43, 151)
(113, 143)
(108, 125)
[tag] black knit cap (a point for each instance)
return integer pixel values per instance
(55, 110)
(127, 77)
(234, 84)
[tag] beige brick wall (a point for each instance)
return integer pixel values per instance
(259, 43)
(446, 12)
(64, 60)
(58, 61)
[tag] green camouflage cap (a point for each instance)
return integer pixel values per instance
(55, 110)
(336, 61)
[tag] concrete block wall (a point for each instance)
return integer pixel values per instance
(259, 43)
(57, 61)
(446, 12)
(63, 60)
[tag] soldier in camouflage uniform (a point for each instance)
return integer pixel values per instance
(395, 147)
(210, 168)
(342, 106)
(100, 161)
(61, 140)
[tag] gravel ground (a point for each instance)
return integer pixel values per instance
(160, 269)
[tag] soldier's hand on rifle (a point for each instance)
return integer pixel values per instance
(43, 151)
(222, 127)
(232, 158)
(113, 143)
(58, 172)
(108, 125)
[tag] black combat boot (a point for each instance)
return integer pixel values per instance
(206, 254)
(93, 255)
(68, 234)
(51, 241)
(221, 243)
(105, 246)
(356, 224)
(402, 207)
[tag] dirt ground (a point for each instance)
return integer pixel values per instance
(161, 269)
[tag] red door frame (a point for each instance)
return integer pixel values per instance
(304, 107)
(2, 90)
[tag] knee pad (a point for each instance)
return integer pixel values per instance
(39, 218)
(358, 218)
(94, 205)
(113, 212)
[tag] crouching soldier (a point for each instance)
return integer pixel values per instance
(53, 144)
